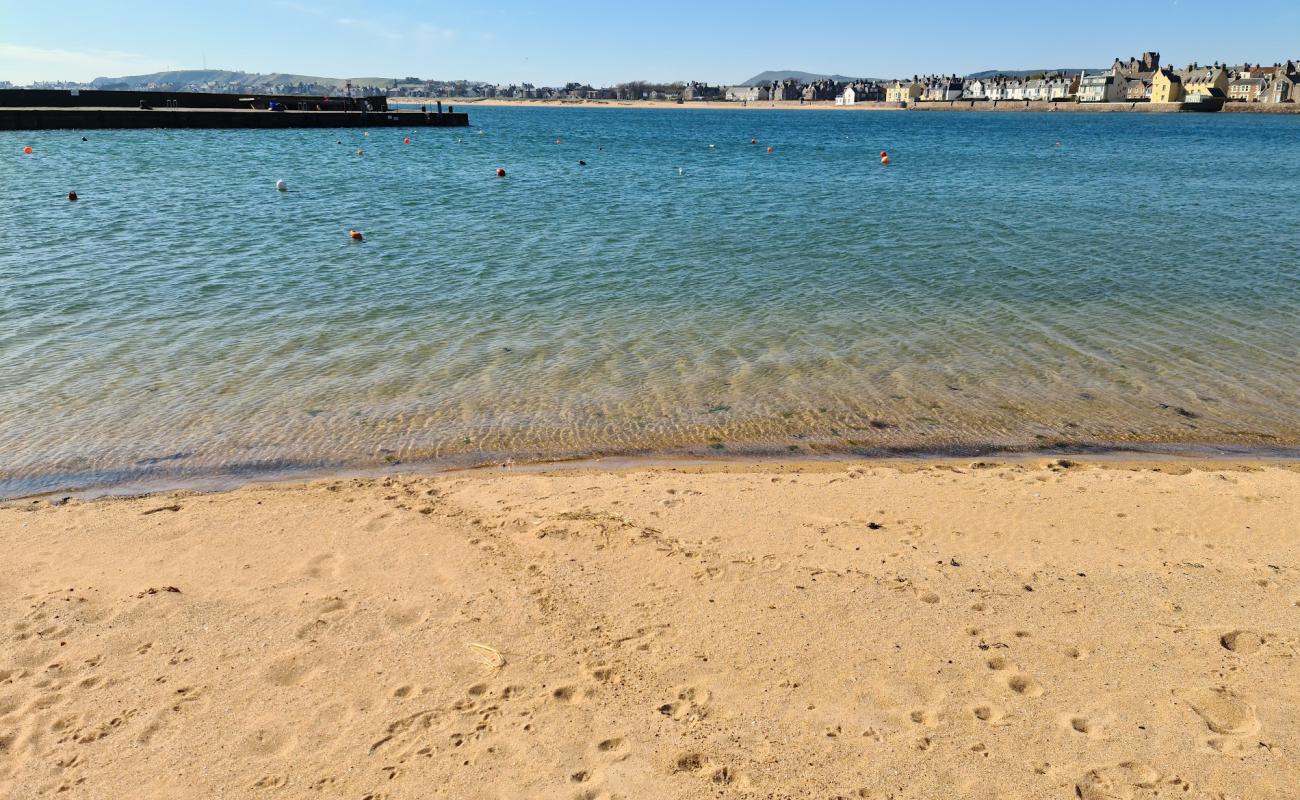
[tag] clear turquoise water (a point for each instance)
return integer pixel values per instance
(1136, 285)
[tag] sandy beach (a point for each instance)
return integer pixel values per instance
(1020, 629)
(789, 105)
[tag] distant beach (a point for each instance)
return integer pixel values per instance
(829, 105)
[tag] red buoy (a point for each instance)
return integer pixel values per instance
(753, 141)
(356, 236)
(406, 140)
(769, 149)
(501, 173)
(27, 150)
(883, 154)
(72, 196)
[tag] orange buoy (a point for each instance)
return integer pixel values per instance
(360, 153)
(769, 149)
(501, 173)
(27, 150)
(406, 140)
(356, 236)
(884, 160)
(72, 196)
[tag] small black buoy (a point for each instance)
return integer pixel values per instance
(72, 196)
(582, 163)
(84, 139)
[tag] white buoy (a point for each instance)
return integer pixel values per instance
(281, 186)
(681, 171)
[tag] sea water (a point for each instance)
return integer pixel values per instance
(1010, 282)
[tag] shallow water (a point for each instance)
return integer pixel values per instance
(1137, 284)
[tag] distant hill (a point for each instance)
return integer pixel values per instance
(785, 74)
(249, 80)
(1025, 73)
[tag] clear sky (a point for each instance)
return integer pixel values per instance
(608, 42)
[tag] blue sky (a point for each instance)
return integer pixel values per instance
(602, 43)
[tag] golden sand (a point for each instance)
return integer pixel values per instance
(695, 104)
(1013, 630)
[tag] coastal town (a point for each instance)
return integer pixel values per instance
(1137, 80)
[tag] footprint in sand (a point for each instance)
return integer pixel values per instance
(1222, 710)
(266, 742)
(727, 775)
(988, 713)
(1025, 685)
(290, 670)
(692, 705)
(1083, 724)
(569, 694)
(688, 761)
(325, 565)
(1120, 782)
(1243, 643)
(615, 748)
(400, 617)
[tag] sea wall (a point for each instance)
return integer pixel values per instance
(1043, 105)
(1262, 108)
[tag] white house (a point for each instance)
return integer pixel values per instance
(1106, 87)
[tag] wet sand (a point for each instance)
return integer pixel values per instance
(1016, 629)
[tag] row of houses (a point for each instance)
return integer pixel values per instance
(1136, 80)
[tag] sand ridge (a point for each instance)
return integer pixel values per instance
(987, 630)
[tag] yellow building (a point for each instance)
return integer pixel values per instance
(1166, 87)
(900, 92)
(1207, 82)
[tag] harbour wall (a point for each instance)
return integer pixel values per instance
(35, 119)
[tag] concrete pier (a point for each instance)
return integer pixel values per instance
(82, 118)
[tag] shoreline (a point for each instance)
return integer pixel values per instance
(1048, 628)
(999, 106)
(218, 482)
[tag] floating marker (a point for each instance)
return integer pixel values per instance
(769, 149)
(501, 173)
(406, 140)
(356, 236)
(360, 153)
(281, 186)
(72, 197)
(27, 150)
(753, 141)
(582, 163)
